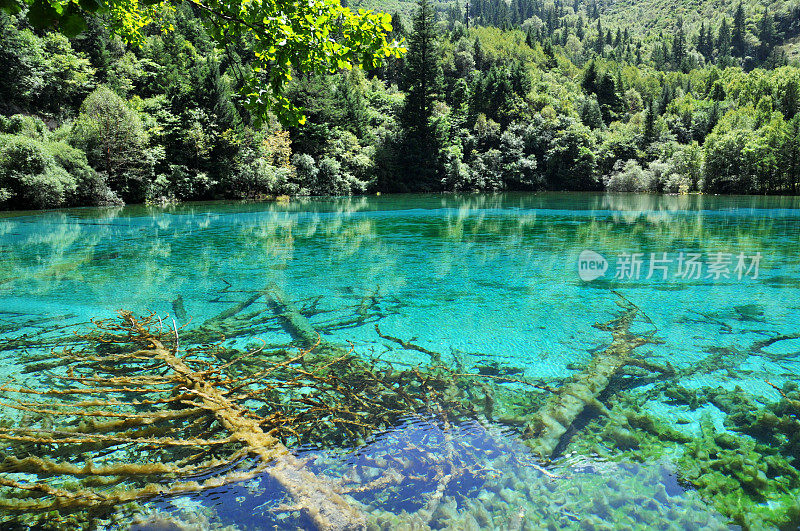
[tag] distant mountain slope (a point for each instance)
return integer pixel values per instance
(645, 19)
(405, 8)
(649, 16)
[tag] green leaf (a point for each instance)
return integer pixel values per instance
(42, 15)
(72, 25)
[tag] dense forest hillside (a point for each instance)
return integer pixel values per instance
(642, 95)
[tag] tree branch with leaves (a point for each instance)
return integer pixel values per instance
(286, 35)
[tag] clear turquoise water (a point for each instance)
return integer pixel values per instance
(490, 278)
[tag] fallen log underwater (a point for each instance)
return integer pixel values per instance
(204, 420)
(544, 430)
(185, 384)
(150, 415)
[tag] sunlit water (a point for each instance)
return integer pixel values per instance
(488, 279)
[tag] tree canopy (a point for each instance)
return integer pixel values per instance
(312, 36)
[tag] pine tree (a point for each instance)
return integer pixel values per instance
(579, 29)
(659, 55)
(478, 54)
(724, 40)
(649, 131)
(738, 34)
(705, 44)
(589, 83)
(453, 15)
(766, 34)
(420, 146)
(517, 12)
(789, 99)
(550, 56)
(600, 42)
(503, 19)
(718, 91)
(679, 45)
(664, 99)
(713, 117)
(529, 38)
(398, 25)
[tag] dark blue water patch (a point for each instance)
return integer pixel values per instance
(421, 449)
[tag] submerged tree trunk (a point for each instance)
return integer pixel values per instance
(544, 431)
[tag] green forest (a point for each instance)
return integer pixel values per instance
(635, 96)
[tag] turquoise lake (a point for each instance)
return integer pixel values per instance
(497, 285)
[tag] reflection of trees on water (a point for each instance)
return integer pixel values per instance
(172, 247)
(157, 250)
(631, 223)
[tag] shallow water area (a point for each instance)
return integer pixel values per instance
(510, 296)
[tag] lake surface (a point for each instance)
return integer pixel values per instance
(501, 286)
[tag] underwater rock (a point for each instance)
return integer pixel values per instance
(482, 516)
(179, 309)
(447, 511)
(727, 441)
(681, 395)
(739, 475)
(509, 496)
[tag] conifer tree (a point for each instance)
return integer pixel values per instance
(766, 34)
(579, 30)
(789, 99)
(600, 42)
(679, 45)
(705, 44)
(589, 82)
(738, 33)
(420, 146)
(649, 134)
(724, 41)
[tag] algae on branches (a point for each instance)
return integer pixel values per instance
(545, 429)
(134, 415)
(132, 418)
(138, 409)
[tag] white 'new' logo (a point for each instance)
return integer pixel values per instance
(591, 265)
